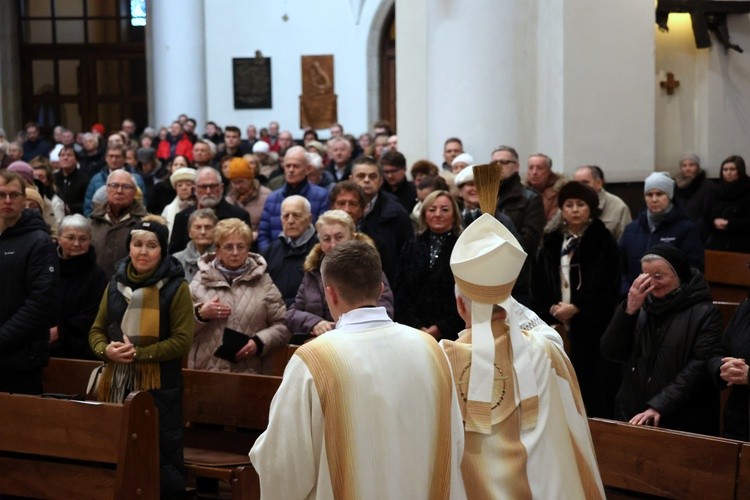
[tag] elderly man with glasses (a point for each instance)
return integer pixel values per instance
(115, 158)
(209, 191)
(111, 222)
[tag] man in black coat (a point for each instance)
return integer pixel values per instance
(287, 253)
(525, 208)
(209, 189)
(385, 220)
(30, 277)
(396, 183)
(71, 182)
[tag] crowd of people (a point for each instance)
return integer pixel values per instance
(145, 249)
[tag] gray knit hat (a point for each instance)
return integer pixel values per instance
(661, 181)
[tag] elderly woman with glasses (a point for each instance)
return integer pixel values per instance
(82, 283)
(664, 335)
(236, 303)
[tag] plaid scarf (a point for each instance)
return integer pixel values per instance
(141, 325)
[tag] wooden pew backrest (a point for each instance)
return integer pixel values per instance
(68, 376)
(728, 275)
(665, 463)
(51, 448)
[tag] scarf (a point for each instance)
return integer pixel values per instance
(654, 219)
(140, 324)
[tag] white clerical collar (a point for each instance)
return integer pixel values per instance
(363, 318)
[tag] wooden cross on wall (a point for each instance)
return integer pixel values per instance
(670, 83)
(706, 15)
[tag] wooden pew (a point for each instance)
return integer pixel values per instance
(743, 478)
(52, 448)
(224, 414)
(728, 275)
(68, 376)
(638, 460)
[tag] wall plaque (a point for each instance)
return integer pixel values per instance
(252, 83)
(318, 101)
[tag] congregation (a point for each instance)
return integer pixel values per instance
(249, 222)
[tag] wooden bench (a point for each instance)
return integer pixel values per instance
(728, 275)
(224, 414)
(53, 448)
(68, 376)
(637, 460)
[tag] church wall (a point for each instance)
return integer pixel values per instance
(709, 113)
(238, 29)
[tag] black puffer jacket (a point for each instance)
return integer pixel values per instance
(29, 278)
(665, 349)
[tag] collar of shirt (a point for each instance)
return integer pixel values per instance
(371, 205)
(364, 318)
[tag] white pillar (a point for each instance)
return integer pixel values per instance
(573, 79)
(177, 65)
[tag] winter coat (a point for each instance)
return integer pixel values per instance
(594, 289)
(29, 281)
(189, 259)
(424, 296)
(180, 237)
(257, 310)
(173, 146)
(270, 221)
(82, 283)
(735, 343)
(72, 190)
(695, 197)
(389, 226)
(525, 208)
(99, 180)
(676, 229)
(665, 349)
(285, 265)
(110, 238)
(254, 205)
(309, 306)
(731, 202)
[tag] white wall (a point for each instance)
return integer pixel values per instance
(709, 113)
(238, 29)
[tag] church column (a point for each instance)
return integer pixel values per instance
(572, 79)
(177, 69)
(10, 96)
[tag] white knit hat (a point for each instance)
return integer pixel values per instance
(463, 158)
(182, 174)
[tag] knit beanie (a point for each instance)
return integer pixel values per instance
(661, 181)
(23, 169)
(160, 230)
(240, 169)
(676, 259)
(692, 157)
(36, 197)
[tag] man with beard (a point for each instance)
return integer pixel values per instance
(209, 190)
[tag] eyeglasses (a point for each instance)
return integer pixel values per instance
(76, 239)
(116, 186)
(232, 247)
(13, 195)
(207, 187)
(658, 277)
(503, 163)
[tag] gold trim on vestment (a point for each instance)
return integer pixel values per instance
(485, 294)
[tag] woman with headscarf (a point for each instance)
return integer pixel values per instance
(664, 334)
(142, 330)
(661, 222)
(729, 217)
(576, 281)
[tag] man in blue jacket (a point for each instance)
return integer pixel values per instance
(28, 287)
(296, 169)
